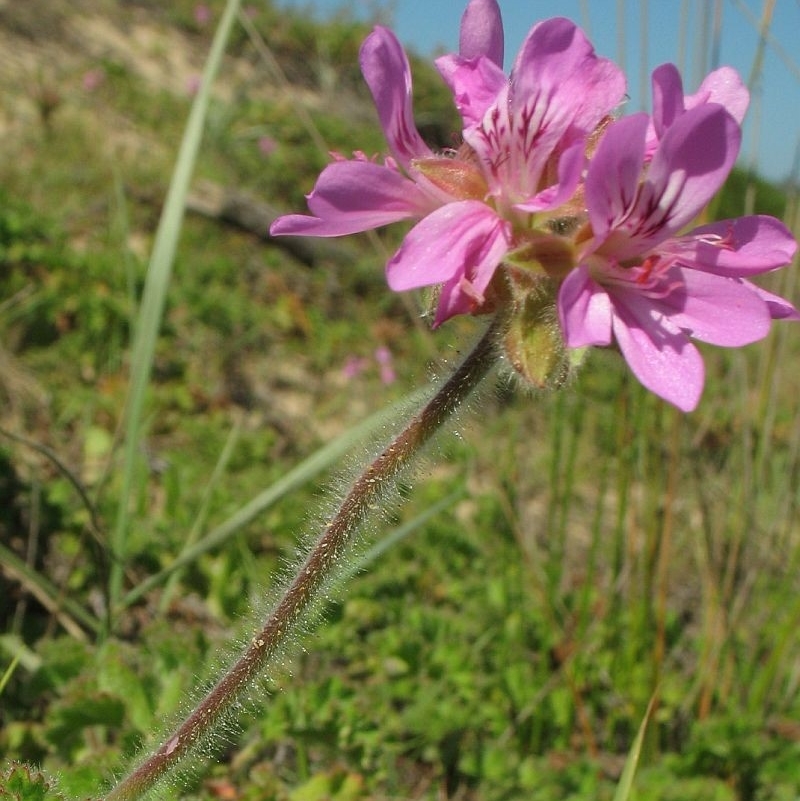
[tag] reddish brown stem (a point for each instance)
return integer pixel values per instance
(319, 567)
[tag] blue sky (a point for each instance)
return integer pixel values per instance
(675, 31)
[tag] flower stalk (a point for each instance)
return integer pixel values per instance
(319, 568)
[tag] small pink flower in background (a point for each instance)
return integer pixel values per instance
(92, 79)
(202, 14)
(354, 366)
(384, 358)
(251, 12)
(267, 145)
(193, 83)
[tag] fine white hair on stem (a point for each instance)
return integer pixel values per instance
(303, 595)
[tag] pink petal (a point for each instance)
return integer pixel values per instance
(668, 102)
(570, 170)
(558, 93)
(740, 247)
(475, 84)
(464, 241)
(482, 31)
(714, 309)
(693, 160)
(723, 86)
(661, 357)
(388, 75)
(584, 309)
(614, 172)
(779, 308)
(456, 297)
(557, 67)
(352, 196)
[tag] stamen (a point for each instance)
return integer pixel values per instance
(722, 242)
(657, 293)
(647, 268)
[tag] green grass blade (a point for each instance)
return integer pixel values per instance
(21, 655)
(623, 792)
(401, 532)
(8, 673)
(155, 291)
(304, 472)
(202, 513)
(72, 616)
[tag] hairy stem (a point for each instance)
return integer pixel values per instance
(318, 568)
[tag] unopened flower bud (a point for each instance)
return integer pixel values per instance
(533, 342)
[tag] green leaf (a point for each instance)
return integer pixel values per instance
(84, 710)
(333, 786)
(117, 678)
(23, 783)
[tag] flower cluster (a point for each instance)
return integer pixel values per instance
(554, 207)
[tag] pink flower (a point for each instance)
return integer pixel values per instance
(354, 366)
(383, 356)
(193, 83)
(267, 145)
(523, 154)
(92, 79)
(571, 208)
(202, 14)
(642, 283)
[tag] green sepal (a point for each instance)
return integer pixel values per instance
(533, 341)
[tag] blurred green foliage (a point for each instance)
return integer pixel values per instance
(606, 549)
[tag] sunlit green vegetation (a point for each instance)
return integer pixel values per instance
(600, 549)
